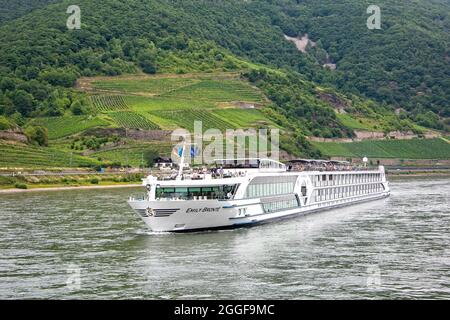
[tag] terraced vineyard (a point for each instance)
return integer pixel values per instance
(17, 155)
(220, 91)
(150, 86)
(405, 149)
(143, 103)
(186, 118)
(59, 127)
(146, 104)
(106, 103)
(132, 120)
(171, 102)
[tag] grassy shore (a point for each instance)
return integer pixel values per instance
(68, 181)
(63, 188)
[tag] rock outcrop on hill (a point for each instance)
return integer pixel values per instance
(13, 135)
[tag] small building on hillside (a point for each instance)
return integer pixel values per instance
(164, 163)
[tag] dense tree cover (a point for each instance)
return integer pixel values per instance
(406, 64)
(298, 102)
(47, 57)
(10, 10)
(303, 104)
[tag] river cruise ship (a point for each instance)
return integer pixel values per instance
(255, 191)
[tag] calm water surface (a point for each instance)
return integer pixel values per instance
(89, 244)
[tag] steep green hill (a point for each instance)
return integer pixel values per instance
(404, 66)
(19, 156)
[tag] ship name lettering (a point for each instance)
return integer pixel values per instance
(200, 210)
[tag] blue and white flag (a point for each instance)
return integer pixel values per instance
(194, 152)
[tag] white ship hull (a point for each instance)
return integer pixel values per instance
(310, 194)
(225, 218)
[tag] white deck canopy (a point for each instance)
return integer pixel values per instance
(251, 163)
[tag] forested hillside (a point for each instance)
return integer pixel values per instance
(403, 66)
(406, 64)
(156, 36)
(10, 10)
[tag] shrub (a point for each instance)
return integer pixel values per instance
(150, 157)
(4, 123)
(6, 180)
(77, 108)
(21, 186)
(37, 135)
(94, 181)
(59, 77)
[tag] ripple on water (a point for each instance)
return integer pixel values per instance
(396, 248)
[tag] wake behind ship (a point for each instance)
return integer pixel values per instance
(254, 191)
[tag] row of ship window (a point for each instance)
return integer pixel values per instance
(197, 193)
(269, 189)
(280, 205)
(343, 192)
(324, 180)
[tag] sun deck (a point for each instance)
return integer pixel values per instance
(241, 168)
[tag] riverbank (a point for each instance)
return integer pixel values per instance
(37, 188)
(418, 173)
(26, 183)
(63, 188)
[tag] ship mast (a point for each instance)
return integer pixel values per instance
(183, 159)
(181, 164)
